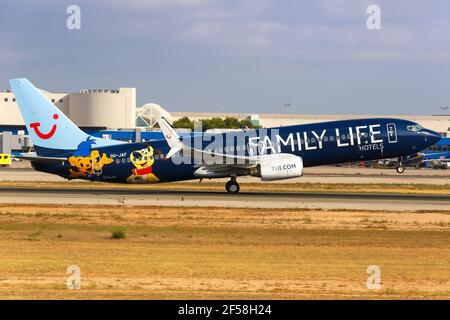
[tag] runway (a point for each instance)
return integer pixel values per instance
(161, 197)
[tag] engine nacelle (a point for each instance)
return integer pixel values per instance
(280, 166)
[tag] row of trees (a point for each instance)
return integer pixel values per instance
(215, 123)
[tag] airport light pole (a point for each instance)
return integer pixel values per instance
(286, 106)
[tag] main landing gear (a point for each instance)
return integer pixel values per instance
(232, 186)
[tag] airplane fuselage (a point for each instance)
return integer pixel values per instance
(317, 144)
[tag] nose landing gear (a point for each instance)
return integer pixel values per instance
(400, 169)
(232, 186)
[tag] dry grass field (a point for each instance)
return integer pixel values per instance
(207, 253)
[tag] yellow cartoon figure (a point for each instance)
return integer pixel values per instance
(143, 172)
(88, 166)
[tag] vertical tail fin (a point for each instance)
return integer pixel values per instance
(51, 131)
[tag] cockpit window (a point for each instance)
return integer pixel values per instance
(414, 128)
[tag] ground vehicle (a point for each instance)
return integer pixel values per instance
(5, 159)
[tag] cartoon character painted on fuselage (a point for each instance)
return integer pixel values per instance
(143, 160)
(87, 163)
(89, 166)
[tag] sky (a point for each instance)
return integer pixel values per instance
(252, 56)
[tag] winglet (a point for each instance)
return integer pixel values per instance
(171, 136)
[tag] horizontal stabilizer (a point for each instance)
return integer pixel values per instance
(31, 156)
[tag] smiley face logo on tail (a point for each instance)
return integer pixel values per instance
(35, 126)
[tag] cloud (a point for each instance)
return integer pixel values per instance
(339, 34)
(323, 31)
(133, 5)
(236, 26)
(239, 36)
(8, 57)
(344, 9)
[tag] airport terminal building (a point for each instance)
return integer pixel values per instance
(87, 108)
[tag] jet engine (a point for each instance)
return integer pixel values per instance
(279, 166)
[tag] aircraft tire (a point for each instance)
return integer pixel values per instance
(232, 187)
(400, 169)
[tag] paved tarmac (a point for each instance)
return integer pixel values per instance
(161, 197)
(325, 174)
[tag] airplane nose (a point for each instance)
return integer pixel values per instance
(432, 136)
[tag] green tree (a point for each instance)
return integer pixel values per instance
(215, 123)
(245, 123)
(231, 123)
(184, 122)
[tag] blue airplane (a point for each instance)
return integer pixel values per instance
(63, 149)
(437, 160)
